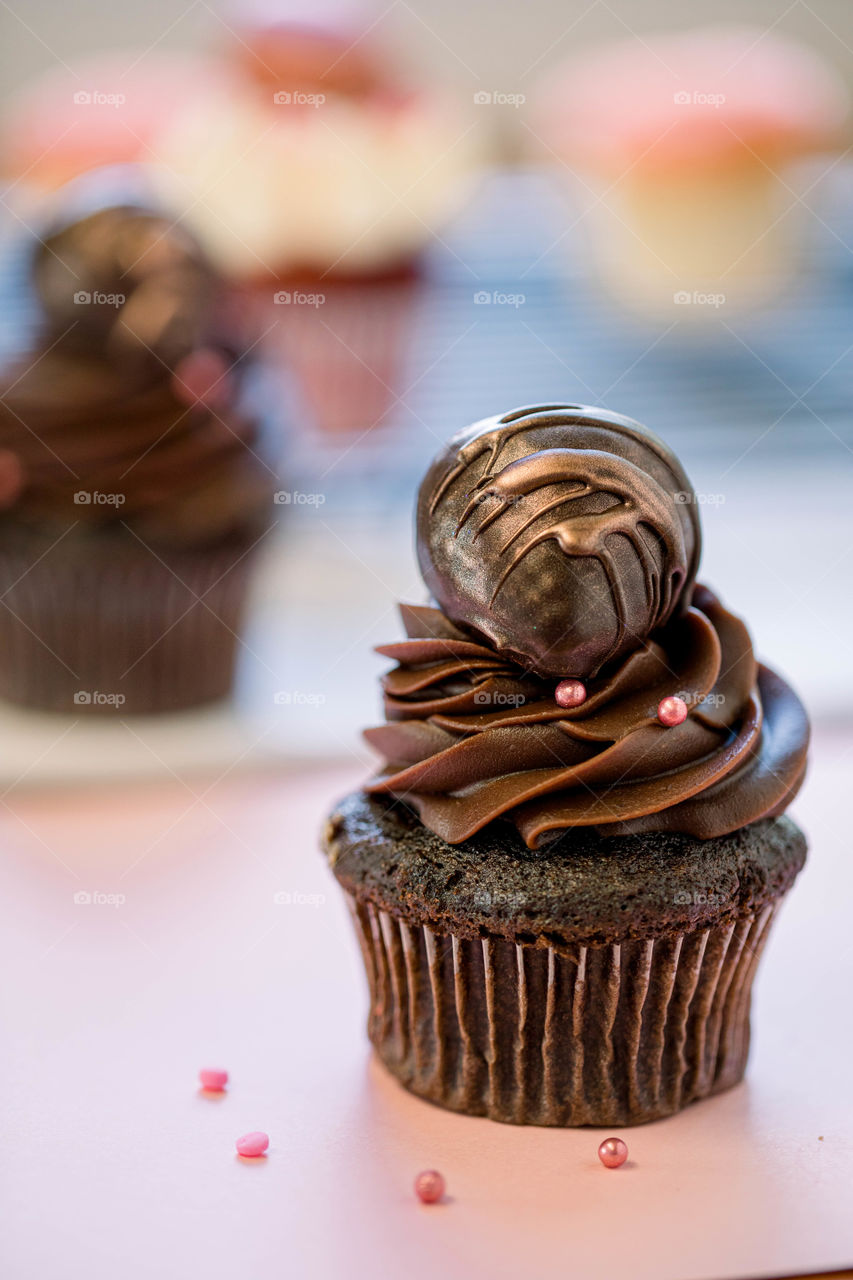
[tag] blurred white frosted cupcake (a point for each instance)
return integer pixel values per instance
(316, 176)
(315, 159)
(685, 142)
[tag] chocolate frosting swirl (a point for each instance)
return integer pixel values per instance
(474, 732)
(132, 404)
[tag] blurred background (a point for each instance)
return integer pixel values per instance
(426, 213)
(458, 44)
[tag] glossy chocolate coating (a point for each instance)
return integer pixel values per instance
(563, 535)
(127, 282)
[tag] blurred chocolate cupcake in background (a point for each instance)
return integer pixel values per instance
(135, 480)
(682, 149)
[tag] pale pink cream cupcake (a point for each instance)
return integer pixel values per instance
(685, 143)
(110, 108)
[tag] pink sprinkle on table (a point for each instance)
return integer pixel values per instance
(202, 376)
(612, 1153)
(429, 1186)
(213, 1078)
(253, 1144)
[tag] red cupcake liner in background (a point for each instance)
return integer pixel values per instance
(342, 343)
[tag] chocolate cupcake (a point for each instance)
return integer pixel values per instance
(133, 486)
(563, 876)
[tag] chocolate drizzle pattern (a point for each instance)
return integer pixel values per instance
(641, 501)
(573, 483)
(473, 732)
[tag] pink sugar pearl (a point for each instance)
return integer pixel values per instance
(253, 1144)
(203, 375)
(570, 693)
(672, 711)
(213, 1078)
(429, 1186)
(612, 1153)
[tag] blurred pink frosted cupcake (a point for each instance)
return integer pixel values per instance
(110, 108)
(686, 141)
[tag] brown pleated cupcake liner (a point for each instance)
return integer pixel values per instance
(117, 632)
(610, 1035)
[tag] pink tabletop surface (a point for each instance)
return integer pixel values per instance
(113, 1164)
